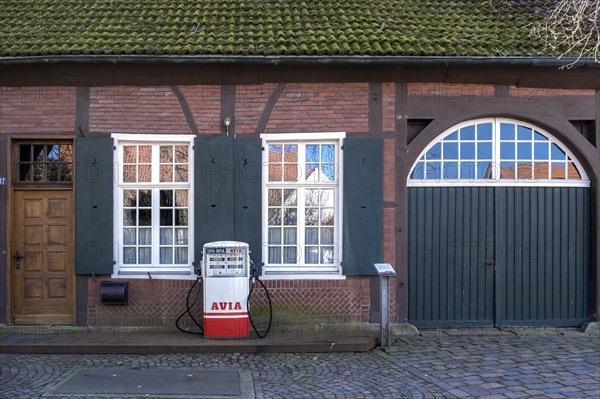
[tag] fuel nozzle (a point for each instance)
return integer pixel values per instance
(253, 270)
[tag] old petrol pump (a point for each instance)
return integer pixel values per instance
(226, 288)
(228, 278)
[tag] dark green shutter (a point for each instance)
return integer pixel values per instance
(214, 174)
(94, 205)
(363, 205)
(247, 194)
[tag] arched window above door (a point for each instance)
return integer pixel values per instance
(497, 151)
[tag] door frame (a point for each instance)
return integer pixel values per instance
(11, 141)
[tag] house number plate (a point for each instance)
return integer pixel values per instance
(2, 181)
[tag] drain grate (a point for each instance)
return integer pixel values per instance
(157, 383)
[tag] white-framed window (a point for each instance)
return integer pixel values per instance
(302, 206)
(153, 204)
(497, 151)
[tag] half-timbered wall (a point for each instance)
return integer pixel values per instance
(407, 116)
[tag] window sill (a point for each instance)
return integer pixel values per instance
(154, 276)
(297, 276)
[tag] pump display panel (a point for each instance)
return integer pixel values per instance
(226, 261)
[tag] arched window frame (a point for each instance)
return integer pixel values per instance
(495, 180)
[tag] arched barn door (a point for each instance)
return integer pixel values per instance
(499, 229)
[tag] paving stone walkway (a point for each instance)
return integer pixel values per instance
(430, 366)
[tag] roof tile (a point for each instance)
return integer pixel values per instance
(269, 27)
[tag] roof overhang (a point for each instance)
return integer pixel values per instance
(136, 70)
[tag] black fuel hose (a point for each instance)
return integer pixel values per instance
(188, 310)
(261, 336)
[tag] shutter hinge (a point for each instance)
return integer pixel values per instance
(194, 147)
(114, 147)
(342, 147)
(263, 148)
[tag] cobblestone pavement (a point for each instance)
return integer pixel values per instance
(431, 366)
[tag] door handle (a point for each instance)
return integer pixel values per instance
(18, 257)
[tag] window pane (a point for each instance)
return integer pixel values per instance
(451, 150)
(166, 198)
(145, 236)
(507, 150)
(274, 254)
(145, 154)
(145, 256)
(312, 172)
(25, 153)
(312, 217)
(418, 172)
(434, 152)
(327, 255)
(275, 152)
(484, 150)
(129, 237)
(558, 170)
(540, 151)
(327, 153)
(66, 153)
(181, 173)
(289, 216)
(66, 172)
(39, 153)
(274, 217)
(452, 136)
(166, 256)
(507, 170)
(145, 198)
(289, 197)
(467, 150)
(181, 198)
(541, 170)
(52, 172)
(38, 172)
(523, 151)
(166, 154)
(467, 170)
(524, 133)
(484, 131)
(290, 172)
(129, 172)
(181, 154)
(451, 170)
(326, 235)
(129, 256)
(181, 236)
(25, 172)
(556, 153)
(52, 152)
(327, 198)
(145, 217)
(274, 197)
(275, 172)
(467, 133)
(289, 255)
(328, 172)
(572, 171)
(311, 235)
(181, 256)
(311, 255)
(166, 236)
(274, 235)
(434, 170)
(129, 217)
(312, 197)
(524, 171)
(484, 170)
(327, 216)
(181, 217)
(507, 131)
(166, 217)
(166, 173)
(290, 153)
(144, 173)
(312, 153)
(129, 154)
(289, 235)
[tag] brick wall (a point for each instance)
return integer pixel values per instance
(159, 302)
(37, 109)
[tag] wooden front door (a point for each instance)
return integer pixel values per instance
(42, 275)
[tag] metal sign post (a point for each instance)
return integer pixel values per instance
(385, 271)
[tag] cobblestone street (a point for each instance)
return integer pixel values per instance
(430, 366)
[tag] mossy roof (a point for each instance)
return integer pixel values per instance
(451, 28)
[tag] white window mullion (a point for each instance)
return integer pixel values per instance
(155, 226)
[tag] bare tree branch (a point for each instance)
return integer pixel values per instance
(571, 28)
